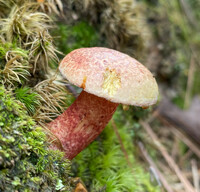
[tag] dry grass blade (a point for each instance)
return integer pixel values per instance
(24, 22)
(187, 185)
(43, 51)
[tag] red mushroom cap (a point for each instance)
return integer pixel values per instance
(110, 74)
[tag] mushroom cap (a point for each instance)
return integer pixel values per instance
(110, 74)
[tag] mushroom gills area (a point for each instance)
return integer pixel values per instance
(81, 123)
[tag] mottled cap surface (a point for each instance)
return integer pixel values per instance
(110, 74)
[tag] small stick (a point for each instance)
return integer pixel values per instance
(187, 185)
(152, 164)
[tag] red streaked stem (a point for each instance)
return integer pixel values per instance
(81, 123)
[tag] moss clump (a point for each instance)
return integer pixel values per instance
(26, 163)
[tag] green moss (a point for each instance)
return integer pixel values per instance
(76, 36)
(28, 98)
(26, 163)
(12, 47)
(103, 166)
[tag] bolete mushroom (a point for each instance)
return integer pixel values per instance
(108, 78)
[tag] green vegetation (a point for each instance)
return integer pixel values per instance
(25, 162)
(103, 165)
(32, 93)
(70, 37)
(29, 98)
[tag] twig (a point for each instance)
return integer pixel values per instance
(152, 164)
(121, 143)
(187, 185)
(195, 174)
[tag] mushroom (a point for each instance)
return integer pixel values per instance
(107, 78)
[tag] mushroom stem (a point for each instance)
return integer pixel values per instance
(81, 123)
